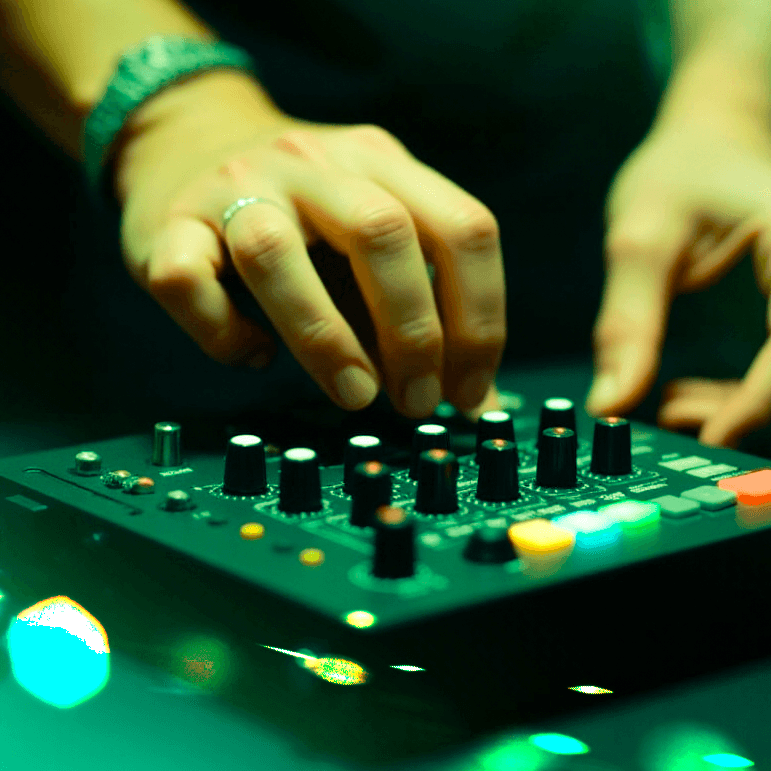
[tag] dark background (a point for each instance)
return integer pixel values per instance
(537, 138)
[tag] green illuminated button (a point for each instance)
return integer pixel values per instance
(631, 514)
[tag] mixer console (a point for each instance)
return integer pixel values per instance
(551, 551)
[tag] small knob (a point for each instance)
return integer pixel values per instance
(437, 483)
(88, 463)
(371, 489)
(612, 447)
(498, 478)
(490, 544)
(394, 543)
(300, 481)
(557, 412)
(245, 470)
(556, 458)
(166, 444)
(427, 437)
(495, 424)
(178, 500)
(359, 449)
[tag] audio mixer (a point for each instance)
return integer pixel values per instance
(484, 571)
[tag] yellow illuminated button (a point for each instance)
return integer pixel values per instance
(751, 489)
(631, 514)
(311, 557)
(251, 531)
(540, 539)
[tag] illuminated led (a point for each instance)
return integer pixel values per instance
(407, 668)
(633, 513)
(251, 531)
(311, 557)
(361, 619)
(593, 531)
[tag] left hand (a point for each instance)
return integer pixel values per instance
(684, 208)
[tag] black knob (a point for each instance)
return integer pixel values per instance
(359, 450)
(300, 482)
(556, 458)
(437, 491)
(427, 437)
(394, 543)
(245, 472)
(490, 544)
(495, 424)
(498, 478)
(612, 447)
(557, 412)
(166, 444)
(371, 489)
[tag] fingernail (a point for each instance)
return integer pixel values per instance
(603, 393)
(475, 387)
(355, 387)
(423, 394)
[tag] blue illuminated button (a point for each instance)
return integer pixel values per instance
(593, 531)
(710, 497)
(673, 507)
(632, 514)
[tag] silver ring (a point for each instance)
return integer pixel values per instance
(239, 204)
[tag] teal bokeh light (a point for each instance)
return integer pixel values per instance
(58, 652)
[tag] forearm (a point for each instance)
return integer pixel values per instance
(58, 55)
(721, 57)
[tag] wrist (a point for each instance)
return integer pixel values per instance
(718, 81)
(193, 105)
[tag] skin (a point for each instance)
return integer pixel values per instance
(194, 150)
(687, 204)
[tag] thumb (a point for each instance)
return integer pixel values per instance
(629, 331)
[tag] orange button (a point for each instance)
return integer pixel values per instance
(540, 538)
(751, 489)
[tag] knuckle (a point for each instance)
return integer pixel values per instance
(320, 335)
(423, 334)
(383, 229)
(485, 332)
(170, 276)
(261, 243)
(474, 229)
(377, 137)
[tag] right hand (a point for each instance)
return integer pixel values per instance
(193, 152)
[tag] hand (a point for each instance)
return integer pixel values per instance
(355, 187)
(684, 208)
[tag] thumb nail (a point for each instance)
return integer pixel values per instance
(603, 393)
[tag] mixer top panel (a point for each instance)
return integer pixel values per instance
(375, 544)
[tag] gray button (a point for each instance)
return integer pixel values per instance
(711, 498)
(676, 508)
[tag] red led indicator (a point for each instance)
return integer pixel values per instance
(438, 454)
(373, 467)
(391, 515)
